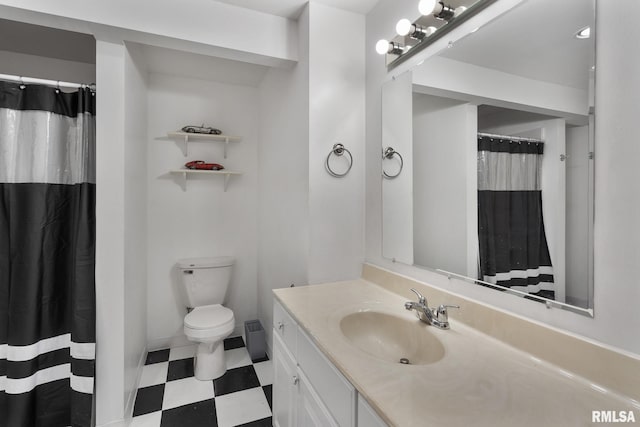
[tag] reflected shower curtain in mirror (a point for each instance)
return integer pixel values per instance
(47, 256)
(512, 242)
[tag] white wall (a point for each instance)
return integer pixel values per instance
(120, 229)
(577, 224)
(283, 184)
(41, 67)
(617, 205)
(336, 114)
(135, 228)
(203, 221)
(442, 129)
(617, 185)
(110, 237)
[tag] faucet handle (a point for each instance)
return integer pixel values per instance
(442, 312)
(421, 299)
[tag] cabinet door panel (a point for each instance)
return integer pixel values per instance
(338, 395)
(311, 410)
(367, 417)
(285, 385)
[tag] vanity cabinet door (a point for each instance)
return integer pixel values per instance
(337, 393)
(311, 410)
(367, 417)
(285, 385)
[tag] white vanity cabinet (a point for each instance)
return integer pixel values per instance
(308, 390)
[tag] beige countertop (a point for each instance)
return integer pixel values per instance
(480, 381)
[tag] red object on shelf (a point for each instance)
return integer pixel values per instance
(201, 165)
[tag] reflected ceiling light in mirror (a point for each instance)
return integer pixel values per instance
(384, 46)
(458, 11)
(404, 27)
(583, 33)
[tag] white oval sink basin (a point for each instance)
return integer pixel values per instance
(392, 338)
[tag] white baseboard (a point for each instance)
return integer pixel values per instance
(168, 342)
(119, 423)
(181, 340)
(131, 400)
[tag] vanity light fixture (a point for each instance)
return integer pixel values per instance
(437, 19)
(583, 33)
(404, 27)
(384, 46)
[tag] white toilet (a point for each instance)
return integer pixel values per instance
(206, 281)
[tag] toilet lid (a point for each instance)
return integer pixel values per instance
(208, 316)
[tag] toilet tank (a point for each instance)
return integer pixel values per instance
(205, 280)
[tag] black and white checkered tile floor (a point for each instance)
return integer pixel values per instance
(169, 395)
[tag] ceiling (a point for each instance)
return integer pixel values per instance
(292, 8)
(535, 40)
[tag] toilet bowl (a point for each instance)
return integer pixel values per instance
(208, 323)
(209, 326)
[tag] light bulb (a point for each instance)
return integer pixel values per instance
(426, 7)
(382, 46)
(584, 33)
(403, 27)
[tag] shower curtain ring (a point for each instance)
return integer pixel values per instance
(22, 85)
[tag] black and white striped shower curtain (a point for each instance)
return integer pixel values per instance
(512, 242)
(47, 256)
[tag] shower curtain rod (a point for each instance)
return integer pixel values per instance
(54, 83)
(515, 138)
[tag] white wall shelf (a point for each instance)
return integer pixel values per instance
(183, 139)
(184, 173)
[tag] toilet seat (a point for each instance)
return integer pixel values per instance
(208, 316)
(209, 322)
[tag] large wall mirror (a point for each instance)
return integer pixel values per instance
(488, 156)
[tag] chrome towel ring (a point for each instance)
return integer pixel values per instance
(388, 153)
(338, 150)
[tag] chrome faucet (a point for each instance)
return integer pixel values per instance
(438, 317)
